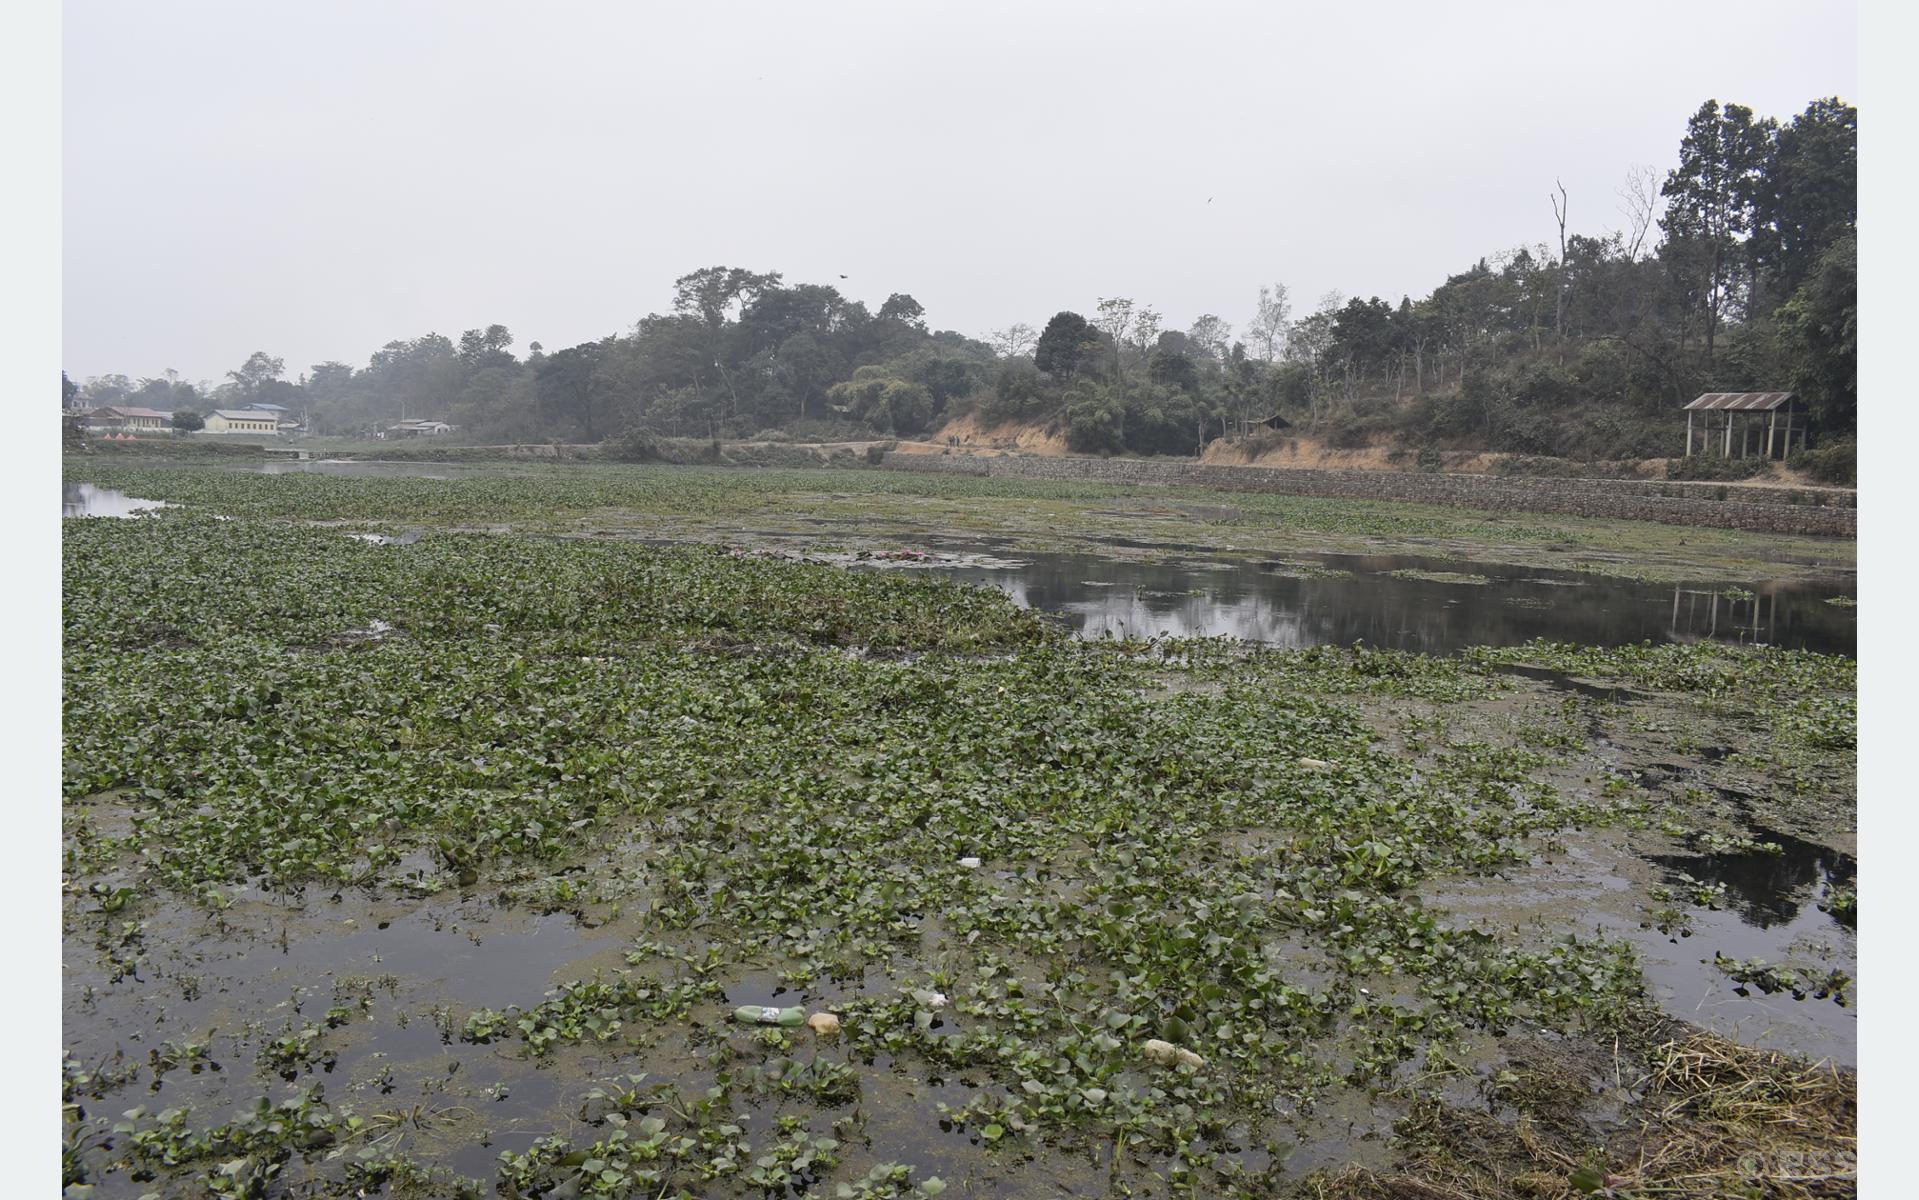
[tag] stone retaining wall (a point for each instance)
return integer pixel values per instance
(1765, 509)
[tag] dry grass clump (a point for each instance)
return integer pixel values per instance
(1713, 1119)
(1741, 1120)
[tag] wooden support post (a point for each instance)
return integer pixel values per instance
(1772, 420)
(1727, 452)
(1688, 455)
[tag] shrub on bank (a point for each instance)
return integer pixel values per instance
(1837, 463)
(1707, 467)
(174, 447)
(635, 445)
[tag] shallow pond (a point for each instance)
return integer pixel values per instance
(1400, 602)
(368, 994)
(1770, 911)
(1393, 601)
(86, 500)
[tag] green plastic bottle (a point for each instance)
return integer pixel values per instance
(753, 1014)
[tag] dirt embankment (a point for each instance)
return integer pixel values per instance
(1307, 452)
(968, 435)
(972, 436)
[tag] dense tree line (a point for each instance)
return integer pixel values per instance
(739, 353)
(1745, 281)
(1736, 271)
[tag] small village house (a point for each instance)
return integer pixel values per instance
(1746, 424)
(412, 429)
(124, 419)
(284, 416)
(242, 420)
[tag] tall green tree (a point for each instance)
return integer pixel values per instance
(482, 348)
(1821, 323)
(1710, 200)
(711, 293)
(1067, 346)
(1808, 197)
(256, 372)
(903, 308)
(574, 391)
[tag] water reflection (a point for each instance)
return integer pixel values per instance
(1405, 603)
(86, 500)
(1764, 888)
(1701, 614)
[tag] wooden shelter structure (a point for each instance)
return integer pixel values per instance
(1742, 424)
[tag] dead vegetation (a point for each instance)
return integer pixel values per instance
(1708, 1118)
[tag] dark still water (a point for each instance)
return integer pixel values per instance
(1400, 602)
(1406, 603)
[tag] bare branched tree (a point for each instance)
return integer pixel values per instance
(1115, 320)
(1270, 322)
(1212, 335)
(1639, 204)
(1145, 331)
(1014, 341)
(1561, 204)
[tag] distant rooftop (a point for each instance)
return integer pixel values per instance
(127, 411)
(1741, 401)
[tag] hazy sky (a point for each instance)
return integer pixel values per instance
(317, 180)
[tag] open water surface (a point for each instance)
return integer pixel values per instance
(86, 500)
(1390, 601)
(1406, 602)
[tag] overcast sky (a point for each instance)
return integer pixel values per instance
(317, 180)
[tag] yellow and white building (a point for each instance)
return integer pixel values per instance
(240, 420)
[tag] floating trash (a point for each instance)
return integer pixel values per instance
(823, 1023)
(755, 1014)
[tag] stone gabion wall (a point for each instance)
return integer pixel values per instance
(1764, 509)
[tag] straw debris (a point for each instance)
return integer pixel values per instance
(1714, 1118)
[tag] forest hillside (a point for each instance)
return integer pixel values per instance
(1735, 271)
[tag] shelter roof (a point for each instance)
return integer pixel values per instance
(1742, 401)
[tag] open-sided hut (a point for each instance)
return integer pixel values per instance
(1744, 424)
